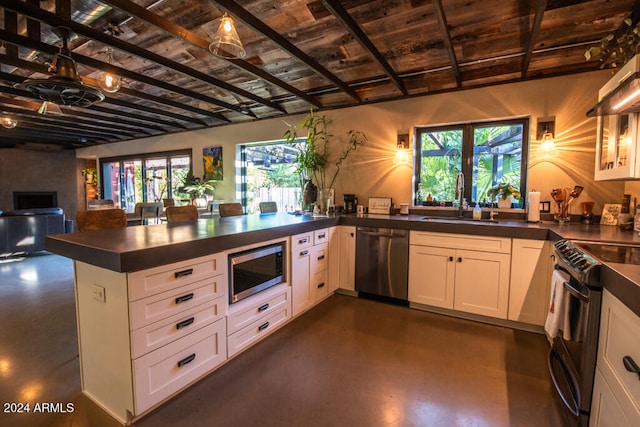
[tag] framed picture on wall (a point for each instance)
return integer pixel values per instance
(212, 160)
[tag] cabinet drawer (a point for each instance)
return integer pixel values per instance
(319, 258)
(461, 241)
(257, 330)
(300, 241)
(155, 280)
(241, 317)
(157, 307)
(321, 236)
(165, 371)
(157, 334)
(619, 338)
(319, 285)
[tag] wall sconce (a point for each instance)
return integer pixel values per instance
(402, 148)
(108, 81)
(226, 43)
(545, 134)
(8, 122)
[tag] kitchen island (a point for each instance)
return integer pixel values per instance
(141, 359)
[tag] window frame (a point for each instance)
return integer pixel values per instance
(467, 153)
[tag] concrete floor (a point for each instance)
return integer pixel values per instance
(347, 362)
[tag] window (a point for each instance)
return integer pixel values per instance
(270, 174)
(486, 153)
(145, 178)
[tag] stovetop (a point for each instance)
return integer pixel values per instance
(611, 252)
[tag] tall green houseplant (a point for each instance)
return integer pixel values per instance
(313, 151)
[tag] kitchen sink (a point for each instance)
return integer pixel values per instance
(456, 219)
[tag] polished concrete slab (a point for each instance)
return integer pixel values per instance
(347, 362)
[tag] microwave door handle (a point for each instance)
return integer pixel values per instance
(576, 293)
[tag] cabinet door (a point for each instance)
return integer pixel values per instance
(616, 147)
(482, 283)
(334, 259)
(300, 280)
(530, 281)
(431, 275)
(347, 272)
(605, 409)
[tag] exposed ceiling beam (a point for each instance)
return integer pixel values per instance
(194, 39)
(241, 14)
(54, 20)
(446, 37)
(533, 36)
(350, 24)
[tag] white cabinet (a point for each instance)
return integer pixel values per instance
(309, 269)
(347, 269)
(616, 398)
(334, 259)
(464, 272)
(530, 281)
(144, 336)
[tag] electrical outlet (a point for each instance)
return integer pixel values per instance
(98, 293)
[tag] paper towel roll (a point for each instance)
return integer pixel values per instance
(533, 211)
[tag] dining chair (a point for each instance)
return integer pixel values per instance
(266, 207)
(101, 219)
(230, 209)
(144, 211)
(177, 214)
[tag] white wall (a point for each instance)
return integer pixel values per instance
(372, 171)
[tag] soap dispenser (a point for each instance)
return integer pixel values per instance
(477, 211)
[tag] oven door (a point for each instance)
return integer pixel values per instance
(572, 356)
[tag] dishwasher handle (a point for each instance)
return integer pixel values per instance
(379, 234)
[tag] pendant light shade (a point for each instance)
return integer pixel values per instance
(8, 122)
(108, 81)
(226, 43)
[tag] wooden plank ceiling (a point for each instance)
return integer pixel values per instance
(301, 54)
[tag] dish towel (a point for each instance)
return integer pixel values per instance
(555, 315)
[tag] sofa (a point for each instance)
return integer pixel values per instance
(24, 230)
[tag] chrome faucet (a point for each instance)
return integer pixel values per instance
(460, 193)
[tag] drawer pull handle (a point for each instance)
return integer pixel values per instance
(186, 360)
(320, 285)
(321, 257)
(459, 259)
(184, 298)
(183, 273)
(302, 241)
(264, 326)
(263, 307)
(185, 323)
(630, 365)
(450, 259)
(321, 236)
(303, 253)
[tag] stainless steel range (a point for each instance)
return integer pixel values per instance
(577, 296)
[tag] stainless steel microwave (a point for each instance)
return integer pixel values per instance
(255, 270)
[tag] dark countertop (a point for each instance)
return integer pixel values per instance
(140, 247)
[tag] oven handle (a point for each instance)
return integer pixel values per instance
(572, 406)
(561, 268)
(576, 293)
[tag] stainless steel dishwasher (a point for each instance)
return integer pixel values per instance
(382, 263)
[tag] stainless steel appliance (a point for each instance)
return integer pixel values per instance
(572, 357)
(256, 269)
(382, 263)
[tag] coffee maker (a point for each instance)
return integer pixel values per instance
(350, 202)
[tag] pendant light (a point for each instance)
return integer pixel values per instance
(226, 43)
(49, 108)
(108, 81)
(8, 122)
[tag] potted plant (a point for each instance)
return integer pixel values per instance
(90, 176)
(615, 51)
(313, 156)
(505, 193)
(197, 191)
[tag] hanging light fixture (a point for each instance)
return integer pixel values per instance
(8, 122)
(49, 108)
(226, 43)
(108, 81)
